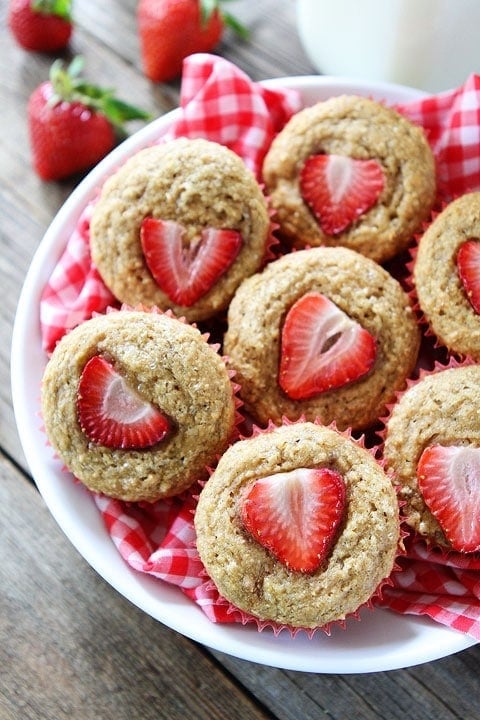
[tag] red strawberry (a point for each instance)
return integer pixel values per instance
(169, 30)
(72, 123)
(186, 272)
(113, 414)
(295, 515)
(338, 189)
(41, 25)
(322, 348)
(468, 264)
(449, 480)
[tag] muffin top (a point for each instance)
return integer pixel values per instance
(136, 404)
(445, 275)
(350, 171)
(178, 226)
(432, 445)
(324, 332)
(292, 460)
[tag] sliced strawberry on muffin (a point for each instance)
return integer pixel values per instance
(322, 348)
(446, 276)
(351, 171)
(137, 404)
(432, 449)
(339, 189)
(296, 514)
(449, 480)
(179, 226)
(321, 333)
(468, 263)
(113, 414)
(298, 525)
(186, 272)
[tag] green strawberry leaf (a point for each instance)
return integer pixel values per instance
(69, 86)
(62, 8)
(208, 7)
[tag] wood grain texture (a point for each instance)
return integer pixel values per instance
(71, 646)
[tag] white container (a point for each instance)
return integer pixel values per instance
(429, 44)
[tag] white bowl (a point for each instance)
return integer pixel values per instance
(382, 640)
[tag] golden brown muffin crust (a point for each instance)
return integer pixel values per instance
(250, 577)
(362, 129)
(171, 366)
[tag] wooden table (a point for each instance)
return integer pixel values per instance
(71, 646)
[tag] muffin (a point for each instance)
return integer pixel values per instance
(432, 445)
(350, 171)
(447, 276)
(179, 226)
(321, 333)
(298, 525)
(137, 404)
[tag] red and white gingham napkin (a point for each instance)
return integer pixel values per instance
(219, 102)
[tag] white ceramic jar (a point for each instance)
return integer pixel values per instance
(429, 44)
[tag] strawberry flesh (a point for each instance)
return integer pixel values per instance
(449, 480)
(295, 515)
(339, 189)
(322, 348)
(112, 414)
(468, 264)
(186, 272)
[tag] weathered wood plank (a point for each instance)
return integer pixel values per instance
(71, 647)
(448, 689)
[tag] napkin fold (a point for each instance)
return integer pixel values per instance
(219, 102)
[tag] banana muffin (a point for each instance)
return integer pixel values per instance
(432, 445)
(321, 333)
(137, 404)
(179, 226)
(447, 276)
(298, 525)
(351, 171)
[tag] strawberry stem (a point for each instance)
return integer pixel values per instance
(61, 8)
(69, 86)
(208, 7)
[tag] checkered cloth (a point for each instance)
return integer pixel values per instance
(220, 102)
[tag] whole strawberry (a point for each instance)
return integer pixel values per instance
(74, 124)
(41, 25)
(169, 30)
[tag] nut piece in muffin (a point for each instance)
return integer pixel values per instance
(432, 445)
(447, 276)
(179, 226)
(137, 404)
(350, 171)
(321, 333)
(298, 525)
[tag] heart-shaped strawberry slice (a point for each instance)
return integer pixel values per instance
(295, 515)
(322, 348)
(186, 272)
(339, 189)
(449, 480)
(113, 414)
(468, 264)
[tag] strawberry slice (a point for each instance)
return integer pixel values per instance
(322, 348)
(187, 272)
(113, 414)
(449, 480)
(295, 515)
(468, 264)
(338, 189)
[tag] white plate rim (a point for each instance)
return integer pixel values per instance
(381, 641)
